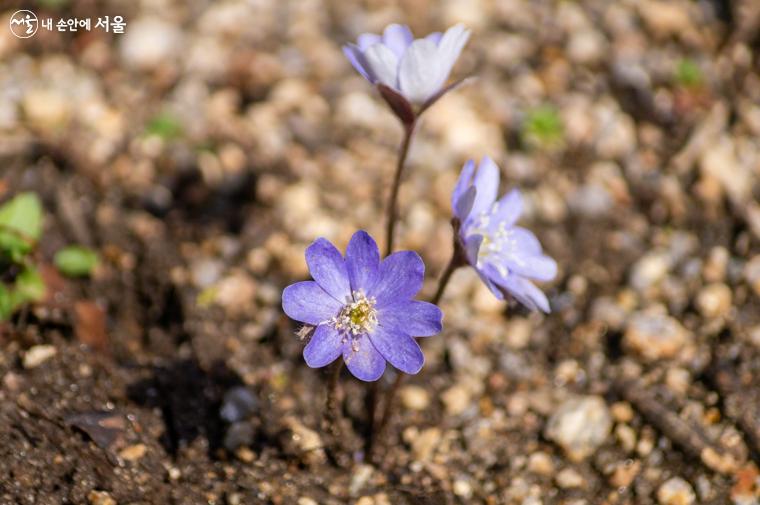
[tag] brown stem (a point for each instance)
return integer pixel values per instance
(392, 202)
(332, 408)
(377, 430)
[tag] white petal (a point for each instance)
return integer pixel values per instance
(449, 48)
(419, 72)
(383, 63)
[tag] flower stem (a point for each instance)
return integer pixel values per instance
(377, 430)
(332, 408)
(392, 202)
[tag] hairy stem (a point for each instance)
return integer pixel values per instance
(392, 202)
(332, 407)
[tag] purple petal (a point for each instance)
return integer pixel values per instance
(307, 302)
(367, 39)
(435, 37)
(383, 64)
(363, 360)
(472, 248)
(416, 318)
(542, 267)
(509, 209)
(397, 38)
(464, 182)
(401, 350)
(327, 267)
(465, 203)
(449, 48)
(362, 261)
(419, 71)
(357, 60)
(526, 292)
(324, 347)
(487, 181)
(400, 278)
(489, 275)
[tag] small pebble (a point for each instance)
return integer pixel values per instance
(238, 404)
(37, 355)
(456, 399)
(714, 300)
(462, 488)
(654, 335)
(676, 491)
(414, 398)
(133, 452)
(100, 498)
(580, 425)
(568, 478)
(541, 463)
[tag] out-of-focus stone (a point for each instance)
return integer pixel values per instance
(414, 398)
(37, 355)
(714, 300)
(676, 491)
(580, 425)
(150, 42)
(752, 274)
(654, 335)
(567, 478)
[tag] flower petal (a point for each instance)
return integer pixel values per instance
(464, 204)
(487, 181)
(464, 182)
(325, 346)
(419, 71)
(416, 318)
(383, 64)
(541, 267)
(327, 267)
(525, 292)
(449, 49)
(472, 248)
(434, 37)
(401, 350)
(307, 302)
(363, 360)
(510, 207)
(357, 60)
(400, 278)
(362, 261)
(489, 275)
(367, 39)
(397, 38)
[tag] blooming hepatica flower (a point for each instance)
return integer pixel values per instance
(505, 256)
(362, 308)
(417, 69)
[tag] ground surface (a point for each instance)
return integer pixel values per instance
(202, 150)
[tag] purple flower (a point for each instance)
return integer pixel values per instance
(505, 256)
(362, 308)
(417, 69)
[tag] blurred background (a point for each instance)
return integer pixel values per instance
(201, 150)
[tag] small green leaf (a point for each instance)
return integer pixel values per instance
(165, 126)
(6, 303)
(688, 74)
(76, 261)
(543, 127)
(13, 245)
(22, 215)
(29, 287)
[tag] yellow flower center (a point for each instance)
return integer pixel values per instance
(358, 315)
